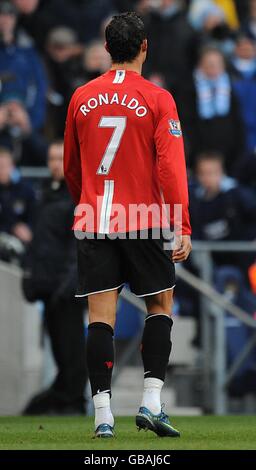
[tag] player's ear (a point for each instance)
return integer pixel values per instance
(106, 46)
(144, 45)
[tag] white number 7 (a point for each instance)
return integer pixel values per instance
(119, 125)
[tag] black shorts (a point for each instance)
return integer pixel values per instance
(106, 264)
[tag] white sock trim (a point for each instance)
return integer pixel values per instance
(155, 315)
(152, 382)
(103, 413)
(101, 400)
(152, 395)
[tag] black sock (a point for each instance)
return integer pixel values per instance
(156, 345)
(100, 356)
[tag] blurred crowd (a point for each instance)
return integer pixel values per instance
(203, 51)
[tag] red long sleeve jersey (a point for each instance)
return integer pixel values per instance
(124, 155)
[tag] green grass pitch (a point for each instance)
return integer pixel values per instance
(204, 432)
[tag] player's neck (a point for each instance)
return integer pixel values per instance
(130, 66)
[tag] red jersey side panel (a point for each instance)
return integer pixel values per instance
(122, 150)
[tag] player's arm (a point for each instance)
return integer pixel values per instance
(172, 170)
(72, 163)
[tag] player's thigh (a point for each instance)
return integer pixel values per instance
(160, 303)
(99, 266)
(149, 268)
(99, 276)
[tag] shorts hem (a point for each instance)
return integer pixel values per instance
(100, 291)
(154, 293)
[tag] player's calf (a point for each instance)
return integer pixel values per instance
(100, 359)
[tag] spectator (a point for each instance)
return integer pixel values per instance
(246, 171)
(84, 17)
(172, 43)
(211, 21)
(242, 9)
(38, 17)
(226, 10)
(22, 97)
(209, 110)
(26, 7)
(252, 277)
(221, 209)
(51, 277)
(143, 7)
(96, 60)
(26, 12)
(244, 84)
(63, 61)
(249, 25)
(230, 9)
(69, 66)
(93, 13)
(17, 205)
(125, 5)
(230, 282)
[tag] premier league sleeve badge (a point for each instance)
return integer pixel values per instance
(175, 128)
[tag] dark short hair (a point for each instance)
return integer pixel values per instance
(210, 155)
(6, 151)
(8, 8)
(57, 141)
(243, 36)
(124, 36)
(208, 49)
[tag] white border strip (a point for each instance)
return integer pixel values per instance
(118, 287)
(153, 293)
(105, 212)
(154, 315)
(99, 291)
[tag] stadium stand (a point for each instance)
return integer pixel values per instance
(198, 49)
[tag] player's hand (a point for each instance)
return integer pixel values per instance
(182, 253)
